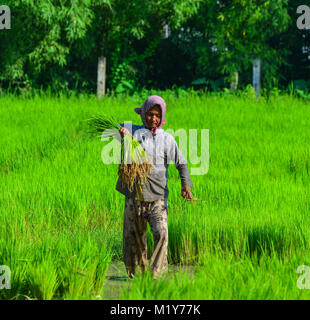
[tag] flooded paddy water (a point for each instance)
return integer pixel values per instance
(117, 279)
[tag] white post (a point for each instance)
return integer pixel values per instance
(101, 79)
(256, 75)
(165, 31)
(234, 81)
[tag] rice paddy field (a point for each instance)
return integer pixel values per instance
(61, 217)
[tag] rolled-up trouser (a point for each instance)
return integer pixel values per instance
(136, 216)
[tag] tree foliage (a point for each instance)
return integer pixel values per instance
(242, 30)
(57, 42)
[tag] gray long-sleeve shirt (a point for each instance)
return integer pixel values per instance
(162, 149)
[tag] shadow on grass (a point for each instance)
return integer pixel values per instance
(270, 240)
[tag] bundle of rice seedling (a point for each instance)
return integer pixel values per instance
(135, 164)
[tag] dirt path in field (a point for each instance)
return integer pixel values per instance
(116, 278)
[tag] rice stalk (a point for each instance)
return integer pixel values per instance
(135, 164)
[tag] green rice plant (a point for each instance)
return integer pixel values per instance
(135, 163)
(222, 276)
(244, 240)
(43, 280)
(82, 268)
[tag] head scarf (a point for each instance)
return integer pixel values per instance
(148, 104)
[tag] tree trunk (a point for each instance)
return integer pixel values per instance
(165, 31)
(256, 75)
(234, 81)
(101, 79)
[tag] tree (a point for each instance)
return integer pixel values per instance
(41, 37)
(297, 44)
(61, 32)
(128, 21)
(241, 30)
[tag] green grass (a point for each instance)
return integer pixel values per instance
(61, 218)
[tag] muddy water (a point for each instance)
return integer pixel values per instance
(116, 278)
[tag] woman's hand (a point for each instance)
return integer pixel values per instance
(186, 192)
(123, 131)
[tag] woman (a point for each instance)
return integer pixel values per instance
(149, 203)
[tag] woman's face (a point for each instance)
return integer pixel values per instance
(153, 117)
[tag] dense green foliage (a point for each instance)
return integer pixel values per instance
(61, 218)
(57, 43)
